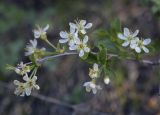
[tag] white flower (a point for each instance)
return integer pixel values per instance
(26, 88)
(68, 36)
(30, 83)
(22, 69)
(106, 80)
(40, 32)
(32, 48)
(127, 36)
(138, 44)
(93, 73)
(91, 86)
(81, 46)
(81, 26)
(21, 88)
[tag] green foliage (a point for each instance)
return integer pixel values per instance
(144, 2)
(102, 54)
(108, 38)
(92, 58)
(10, 54)
(11, 16)
(156, 7)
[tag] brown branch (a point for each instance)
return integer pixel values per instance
(109, 55)
(51, 100)
(51, 57)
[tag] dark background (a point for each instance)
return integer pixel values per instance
(134, 89)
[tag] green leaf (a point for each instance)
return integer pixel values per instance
(101, 56)
(92, 58)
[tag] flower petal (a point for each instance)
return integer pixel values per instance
(17, 70)
(77, 41)
(146, 41)
(16, 82)
(88, 89)
(27, 53)
(85, 40)
(86, 83)
(83, 31)
(94, 90)
(72, 30)
(36, 34)
(33, 43)
(28, 91)
(72, 25)
(95, 67)
(145, 49)
(22, 94)
(63, 40)
(89, 25)
(26, 78)
(138, 50)
(126, 32)
(37, 87)
(63, 34)
(81, 53)
(71, 42)
(125, 44)
(83, 22)
(46, 28)
(34, 78)
(133, 46)
(87, 49)
(121, 36)
(73, 47)
(134, 41)
(135, 33)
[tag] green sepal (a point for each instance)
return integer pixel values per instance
(34, 59)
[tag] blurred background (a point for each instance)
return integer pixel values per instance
(134, 87)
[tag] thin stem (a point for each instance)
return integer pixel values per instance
(50, 44)
(54, 56)
(109, 55)
(34, 72)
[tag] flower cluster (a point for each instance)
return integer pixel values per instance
(130, 38)
(32, 48)
(30, 82)
(40, 32)
(76, 37)
(22, 69)
(26, 87)
(91, 85)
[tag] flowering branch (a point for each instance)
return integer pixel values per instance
(77, 40)
(51, 57)
(109, 55)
